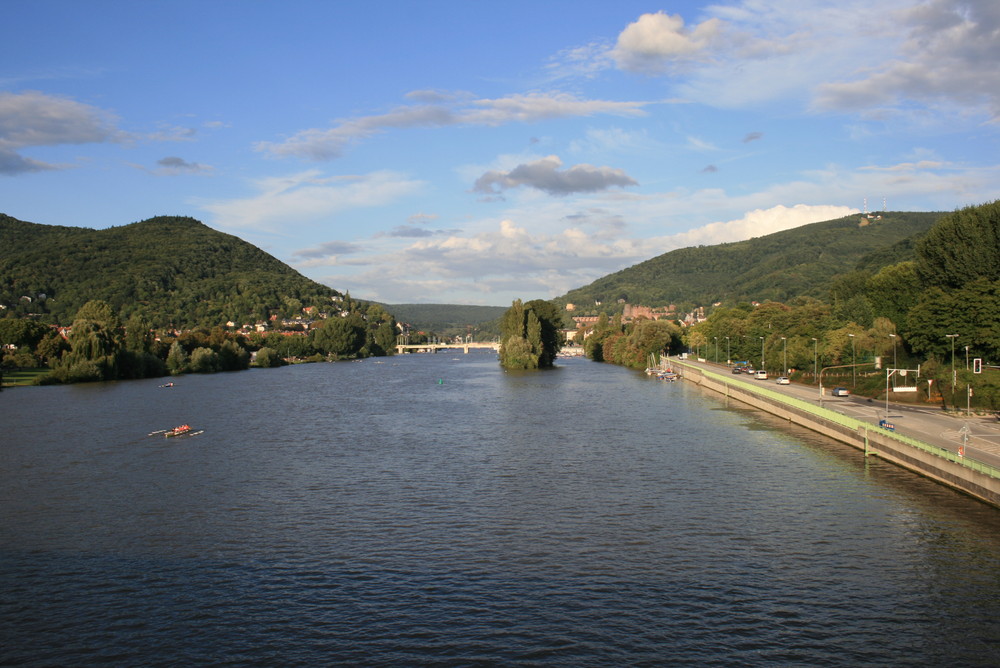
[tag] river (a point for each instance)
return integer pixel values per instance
(434, 510)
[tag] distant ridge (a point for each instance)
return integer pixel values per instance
(799, 262)
(444, 318)
(173, 270)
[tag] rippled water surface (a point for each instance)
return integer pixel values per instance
(430, 509)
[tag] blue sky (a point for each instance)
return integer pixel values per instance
(471, 152)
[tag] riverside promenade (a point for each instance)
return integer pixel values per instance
(959, 451)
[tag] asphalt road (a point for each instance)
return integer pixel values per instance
(981, 435)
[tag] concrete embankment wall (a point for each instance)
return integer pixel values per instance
(939, 464)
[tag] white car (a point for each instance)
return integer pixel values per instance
(783, 380)
(841, 392)
(760, 375)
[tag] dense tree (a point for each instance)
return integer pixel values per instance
(177, 359)
(95, 341)
(341, 337)
(651, 337)
(893, 291)
(385, 338)
(961, 248)
(267, 358)
(972, 312)
(22, 332)
(204, 360)
(232, 356)
(51, 348)
(530, 335)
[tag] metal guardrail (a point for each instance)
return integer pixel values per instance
(851, 424)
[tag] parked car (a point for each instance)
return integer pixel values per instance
(783, 380)
(760, 375)
(841, 392)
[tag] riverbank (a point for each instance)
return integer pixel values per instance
(955, 470)
(11, 378)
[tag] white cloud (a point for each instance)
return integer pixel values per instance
(509, 259)
(309, 196)
(949, 56)
(851, 56)
(326, 144)
(655, 42)
(37, 119)
(756, 223)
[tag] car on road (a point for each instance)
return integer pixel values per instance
(737, 369)
(841, 392)
(760, 375)
(783, 380)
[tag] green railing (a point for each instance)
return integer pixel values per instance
(849, 423)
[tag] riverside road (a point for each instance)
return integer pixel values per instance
(926, 423)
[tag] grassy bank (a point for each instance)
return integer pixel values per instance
(21, 376)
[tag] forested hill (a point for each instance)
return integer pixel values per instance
(777, 267)
(447, 319)
(171, 270)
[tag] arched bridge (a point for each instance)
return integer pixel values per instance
(434, 347)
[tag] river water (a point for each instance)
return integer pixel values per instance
(433, 510)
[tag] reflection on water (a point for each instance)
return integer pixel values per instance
(431, 508)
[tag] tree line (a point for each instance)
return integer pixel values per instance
(100, 346)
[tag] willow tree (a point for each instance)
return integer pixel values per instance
(530, 335)
(96, 342)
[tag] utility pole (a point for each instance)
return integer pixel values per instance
(952, 337)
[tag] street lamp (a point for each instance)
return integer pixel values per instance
(854, 361)
(716, 349)
(952, 337)
(815, 346)
(761, 352)
(893, 337)
(729, 358)
(784, 352)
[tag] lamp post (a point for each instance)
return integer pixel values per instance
(784, 353)
(815, 347)
(716, 349)
(893, 337)
(854, 361)
(729, 358)
(952, 337)
(761, 352)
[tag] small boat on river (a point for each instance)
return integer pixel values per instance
(183, 430)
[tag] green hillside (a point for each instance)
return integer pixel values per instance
(172, 270)
(445, 319)
(777, 267)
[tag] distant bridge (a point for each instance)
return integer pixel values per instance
(434, 347)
